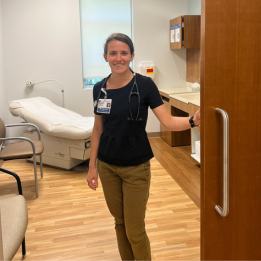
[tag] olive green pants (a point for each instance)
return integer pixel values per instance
(126, 190)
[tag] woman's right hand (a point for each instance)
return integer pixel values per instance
(197, 118)
(92, 178)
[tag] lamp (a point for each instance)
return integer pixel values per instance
(31, 84)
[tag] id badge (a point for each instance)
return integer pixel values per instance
(104, 106)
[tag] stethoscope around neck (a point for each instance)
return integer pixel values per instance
(132, 92)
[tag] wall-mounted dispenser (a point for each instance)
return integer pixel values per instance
(147, 69)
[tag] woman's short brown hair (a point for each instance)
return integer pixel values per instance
(119, 37)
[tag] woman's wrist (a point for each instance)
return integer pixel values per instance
(92, 165)
(194, 122)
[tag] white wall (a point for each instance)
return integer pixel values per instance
(3, 94)
(151, 20)
(42, 41)
(151, 39)
(194, 7)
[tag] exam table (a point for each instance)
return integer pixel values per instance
(66, 134)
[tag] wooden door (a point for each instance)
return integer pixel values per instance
(231, 81)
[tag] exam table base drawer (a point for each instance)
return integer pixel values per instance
(60, 152)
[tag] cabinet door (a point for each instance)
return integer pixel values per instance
(164, 132)
(230, 80)
(176, 22)
(191, 31)
(175, 138)
(187, 30)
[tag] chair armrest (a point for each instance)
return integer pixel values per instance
(20, 138)
(27, 124)
(19, 186)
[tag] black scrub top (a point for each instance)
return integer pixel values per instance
(125, 142)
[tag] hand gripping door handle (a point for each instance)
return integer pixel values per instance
(224, 212)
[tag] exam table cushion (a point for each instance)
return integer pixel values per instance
(21, 150)
(52, 119)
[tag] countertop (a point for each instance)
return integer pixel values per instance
(169, 91)
(192, 97)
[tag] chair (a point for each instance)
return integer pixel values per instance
(13, 221)
(21, 150)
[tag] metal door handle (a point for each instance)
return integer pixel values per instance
(224, 212)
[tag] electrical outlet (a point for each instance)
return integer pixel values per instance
(29, 84)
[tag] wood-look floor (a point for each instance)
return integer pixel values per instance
(177, 161)
(70, 222)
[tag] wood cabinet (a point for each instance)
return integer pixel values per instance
(185, 32)
(174, 138)
(190, 109)
(164, 132)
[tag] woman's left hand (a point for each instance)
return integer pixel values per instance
(196, 118)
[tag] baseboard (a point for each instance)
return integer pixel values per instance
(153, 134)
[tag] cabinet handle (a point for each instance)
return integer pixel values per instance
(224, 212)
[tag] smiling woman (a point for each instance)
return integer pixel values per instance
(99, 19)
(121, 147)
